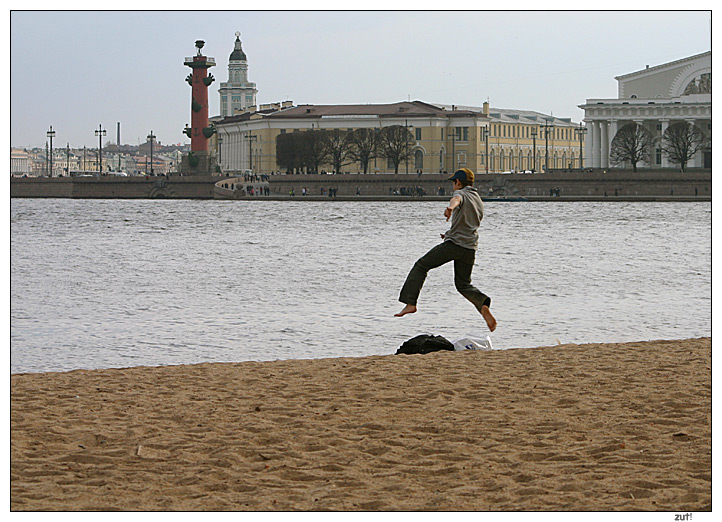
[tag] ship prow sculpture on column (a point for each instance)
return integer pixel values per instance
(199, 161)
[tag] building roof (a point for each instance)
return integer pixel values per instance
(402, 109)
(656, 68)
(246, 116)
(516, 115)
(414, 108)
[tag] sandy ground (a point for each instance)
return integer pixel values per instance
(598, 427)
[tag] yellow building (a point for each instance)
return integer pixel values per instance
(445, 137)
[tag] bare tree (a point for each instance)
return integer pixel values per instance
(302, 149)
(396, 143)
(364, 145)
(288, 151)
(338, 148)
(681, 141)
(313, 150)
(631, 143)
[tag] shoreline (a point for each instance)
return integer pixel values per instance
(593, 427)
(521, 199)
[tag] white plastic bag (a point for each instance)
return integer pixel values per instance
(471, 342)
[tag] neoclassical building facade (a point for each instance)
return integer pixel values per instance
(655, 97)
(483, 139)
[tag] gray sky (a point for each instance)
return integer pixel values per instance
(75, 70)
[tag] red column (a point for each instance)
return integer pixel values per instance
(199, 104)
(199, 131)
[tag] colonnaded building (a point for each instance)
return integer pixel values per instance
(482, 138)
(655, 97)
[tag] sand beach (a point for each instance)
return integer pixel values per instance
(595, 427)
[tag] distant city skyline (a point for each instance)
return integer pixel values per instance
(76, 70)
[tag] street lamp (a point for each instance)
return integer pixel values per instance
(546, 128)
(67, 159)
(581, 131)
(100, 132)
(220, 149)
(251, 139)
(406, 136)
(151, 138)
(533, 150)
(453, 150)
(51, 135)
(485, 136)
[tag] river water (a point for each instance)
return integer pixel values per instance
(119, 283)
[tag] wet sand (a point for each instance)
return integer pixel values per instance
(596, 427)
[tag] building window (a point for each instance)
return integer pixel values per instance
(658, 156)
(418, 134)
(418, 160)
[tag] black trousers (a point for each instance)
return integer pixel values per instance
(441, 254)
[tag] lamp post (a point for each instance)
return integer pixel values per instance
(546, 128)
(67, 159)
(151, 139)
(100, 132)
(220, 148)
(581, 131)
(51, 135)
(485, 137)
(251, 139)
(533, 150)
(406, 138)
(453, 150)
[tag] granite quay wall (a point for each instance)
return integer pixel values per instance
(134, 187)
(41, 188)
(596, 184)
(589, 184)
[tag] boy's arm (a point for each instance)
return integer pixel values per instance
(455, 202)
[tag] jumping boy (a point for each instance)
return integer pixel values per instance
(461, 241)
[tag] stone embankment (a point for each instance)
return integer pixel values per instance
(656, 185)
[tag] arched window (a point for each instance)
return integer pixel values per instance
(418, 159)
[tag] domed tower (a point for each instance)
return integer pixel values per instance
(237, 94)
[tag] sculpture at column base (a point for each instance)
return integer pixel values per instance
(199, 163)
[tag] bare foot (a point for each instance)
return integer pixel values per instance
(490, 321)
(408, 309)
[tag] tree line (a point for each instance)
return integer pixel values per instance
(306, 151)
(680, 142)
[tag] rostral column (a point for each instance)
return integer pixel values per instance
(199, 161)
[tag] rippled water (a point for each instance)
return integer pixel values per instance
(117, 283)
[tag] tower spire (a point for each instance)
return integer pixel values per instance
(237, 94)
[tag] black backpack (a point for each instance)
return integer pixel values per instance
(425, 344)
